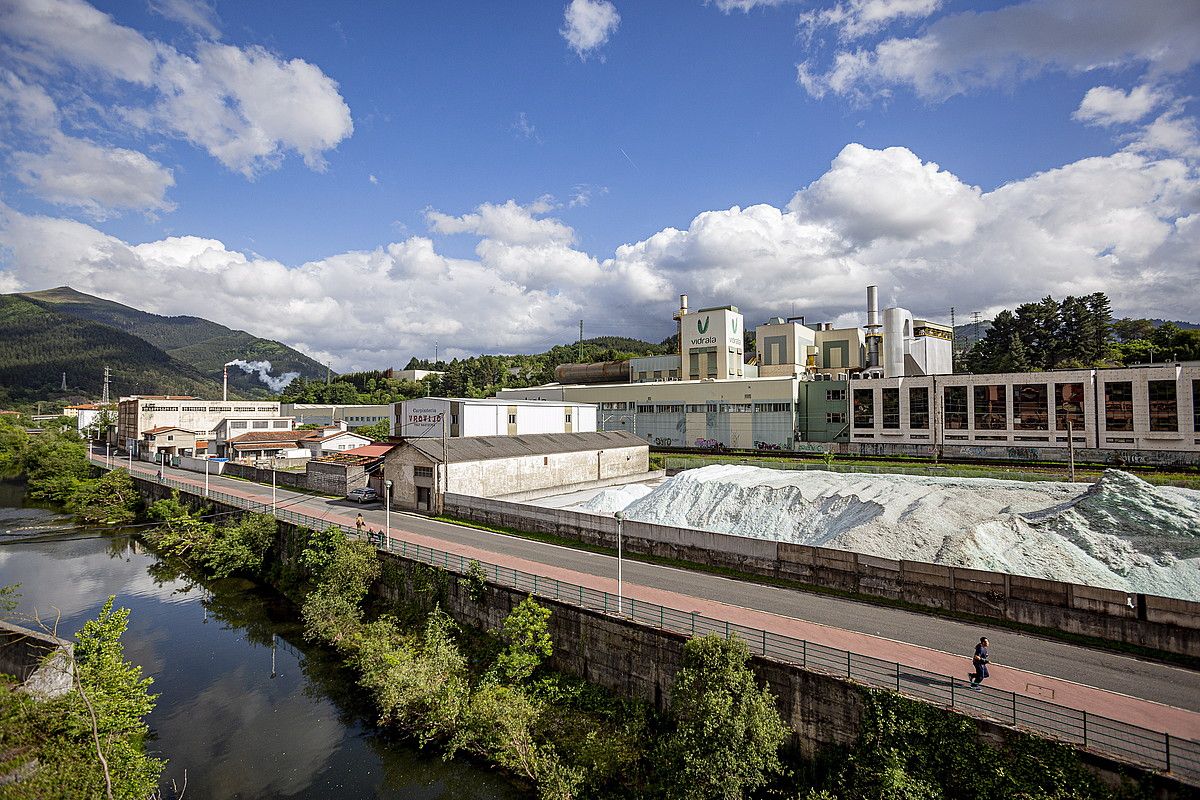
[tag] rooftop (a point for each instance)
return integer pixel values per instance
(500, 401)
(258, 437)
(164, 429)
(486, 448)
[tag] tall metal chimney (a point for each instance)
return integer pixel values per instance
(679, 315)
(225, 384)
(874, 337)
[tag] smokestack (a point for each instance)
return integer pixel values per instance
(873, 335)
(683, 309)
(225, 384)
(682, 304)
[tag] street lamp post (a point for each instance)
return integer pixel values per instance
(206, 476)
(272, 486)
(387, 512)
(620, 515)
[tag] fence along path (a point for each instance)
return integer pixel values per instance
(1121, 741)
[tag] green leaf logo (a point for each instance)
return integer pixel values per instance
(702, 325)
(733, 324)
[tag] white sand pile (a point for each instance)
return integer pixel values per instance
(615, 499)
(1120, 532)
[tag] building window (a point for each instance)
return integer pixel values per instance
(918, 407)
(261, 423)
(1031, 408)
(864, 408)
(835, 417)
(645, 409)
(281, 423)
(512, 419)
(1164, 407)
(423, 472)
(696, 408)
(454, 419)
(954, 399)
(772, 407)
(1196, 406)
(1068, 405)
(1118, 406)
(990, 411)
(237, 424)
(891, 408)
(834, 395)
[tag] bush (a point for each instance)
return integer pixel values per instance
(526, 641)
(112, 498)
(726, 732)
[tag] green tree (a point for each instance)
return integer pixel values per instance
(1128, 329)
(55, 465)
(527, 642)
(14, 441)
(726, 732)
(241, 547)
(376, 431)
(112, 498)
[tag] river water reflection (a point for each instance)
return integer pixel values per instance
(246, 707)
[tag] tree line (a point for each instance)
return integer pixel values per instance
(1076, 333)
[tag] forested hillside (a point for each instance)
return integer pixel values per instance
(203, 344)
(37, 345)
(477, 376)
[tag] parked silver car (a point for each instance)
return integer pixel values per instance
(363, 494)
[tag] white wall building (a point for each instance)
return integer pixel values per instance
(136, 415)
(355, 416)
(422, 418)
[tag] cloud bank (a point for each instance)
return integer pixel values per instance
(1127, 223)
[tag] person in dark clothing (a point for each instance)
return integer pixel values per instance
(980, 661)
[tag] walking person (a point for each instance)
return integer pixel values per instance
(980, 661)
(360, 523)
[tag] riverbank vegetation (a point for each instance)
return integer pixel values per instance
(56, 469)
(89, 742)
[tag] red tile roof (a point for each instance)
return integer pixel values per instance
(164, 429)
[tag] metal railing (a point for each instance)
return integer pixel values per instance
(1121, 741)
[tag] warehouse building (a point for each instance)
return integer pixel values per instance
(423, 470)
(423, 417)
(354, 416)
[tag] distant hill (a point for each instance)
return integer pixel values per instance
(200, 343)
(38, 344)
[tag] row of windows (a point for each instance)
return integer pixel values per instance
(987, 407)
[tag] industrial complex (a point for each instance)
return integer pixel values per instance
(884, 389)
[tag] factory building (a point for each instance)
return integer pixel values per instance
(355, 416)
(138, 414)
(1136, 409)
(423, 417)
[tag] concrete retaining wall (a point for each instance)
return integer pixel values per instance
(1157, 623)
(294, 480)
(1013, 452)
(640, 661)
(45, 664)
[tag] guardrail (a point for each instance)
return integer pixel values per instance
(1121, 741)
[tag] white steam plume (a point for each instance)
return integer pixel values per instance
(263, 368)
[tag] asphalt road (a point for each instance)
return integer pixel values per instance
(1112, 672)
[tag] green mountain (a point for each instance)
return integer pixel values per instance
(203, 345)
(38, 344)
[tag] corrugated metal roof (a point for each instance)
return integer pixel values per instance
(485, 448)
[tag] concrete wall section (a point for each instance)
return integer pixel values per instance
(45, 664)
(1156, 623)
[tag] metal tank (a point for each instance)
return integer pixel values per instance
(599, 372)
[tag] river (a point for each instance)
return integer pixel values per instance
(246, 707)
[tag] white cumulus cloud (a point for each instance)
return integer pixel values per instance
(588, 24)
(1108, 105)
(970, 49)
(95, 178)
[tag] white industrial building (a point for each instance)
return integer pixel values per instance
(423, 470)
(423, 417)
(138, 414)
(355, 416)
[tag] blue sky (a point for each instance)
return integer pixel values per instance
(361, 179)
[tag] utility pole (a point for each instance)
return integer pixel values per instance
(580, 341)
(328, 370)
(64, 382)
(104, 393)
(435, 353)
(975, 326)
